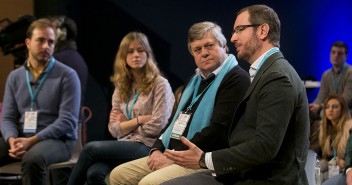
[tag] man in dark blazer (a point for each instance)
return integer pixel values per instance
(268, 138)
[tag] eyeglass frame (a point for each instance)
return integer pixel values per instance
(241, 28)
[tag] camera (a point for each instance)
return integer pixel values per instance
(12, 37)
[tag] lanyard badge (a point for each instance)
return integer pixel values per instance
(30, 122)
(184, 116)
(180, 125)
(30, 117)
(333, 168)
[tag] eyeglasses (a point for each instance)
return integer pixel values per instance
(240, 28)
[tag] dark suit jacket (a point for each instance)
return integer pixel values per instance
(230, 93)
(348, 153)
(269, 133)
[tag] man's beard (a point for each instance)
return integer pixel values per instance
(249, 48)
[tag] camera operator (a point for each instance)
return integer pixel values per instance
(66, 49)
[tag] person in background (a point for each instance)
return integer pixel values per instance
(333, 136)
(345, 177)
(268, 137)
(204, 112)
(314, 147)
(315, 121)
(66, 50)
(40, 108)
(337, 80)
(177, 94)
(141, 105)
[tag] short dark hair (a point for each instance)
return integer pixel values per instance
(340, 44)
(260, 14)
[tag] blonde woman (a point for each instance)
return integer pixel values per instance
(141, 105)
(334, 132)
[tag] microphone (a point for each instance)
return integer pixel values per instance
(33, 83)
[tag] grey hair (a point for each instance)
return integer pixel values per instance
(198, 30)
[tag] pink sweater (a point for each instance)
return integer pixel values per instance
(158, 103)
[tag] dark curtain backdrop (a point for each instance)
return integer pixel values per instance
(308, 28)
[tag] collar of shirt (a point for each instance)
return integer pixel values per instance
(215, 72)
(256, 63)
(340, 69)
(29, 66)
(254, 66)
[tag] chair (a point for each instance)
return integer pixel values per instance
(15, 168)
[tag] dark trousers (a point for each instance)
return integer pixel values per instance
(198, 178)
(98, 158)
(37, 158)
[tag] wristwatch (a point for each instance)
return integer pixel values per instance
(202, 161)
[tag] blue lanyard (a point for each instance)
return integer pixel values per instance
(128, 112)
(334, 154)
(34, 96)
(337, 84)
(270, 52)
(195, 98)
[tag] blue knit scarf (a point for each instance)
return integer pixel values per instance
(202, 115)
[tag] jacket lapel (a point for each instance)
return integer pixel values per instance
(262, 70)
(240, 110)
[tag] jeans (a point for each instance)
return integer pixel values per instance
(37, 158)
(98, 158)
(339, 179)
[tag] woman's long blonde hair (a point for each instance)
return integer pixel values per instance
(334, 137)
(122, 77)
